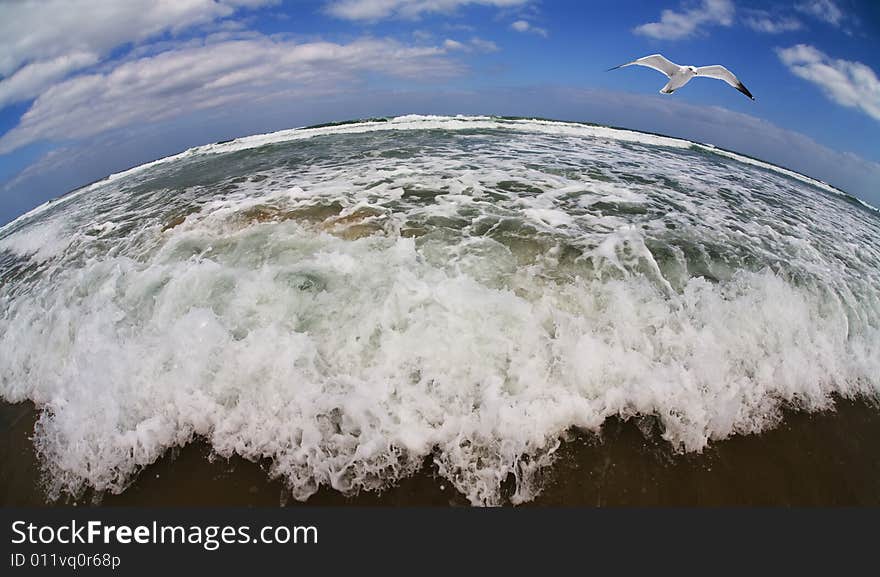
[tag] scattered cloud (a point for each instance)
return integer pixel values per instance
(484, 45)
(41, 41)
(525, 26)
(458, 27)
(373, 10)
(825, 10)
(474, 44)
(450, 44)
(848, 83)
(763, 21)
(28, 81)
(689, 20)
(188, 79)
(50, 161)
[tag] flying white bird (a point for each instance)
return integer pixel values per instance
(681, 75)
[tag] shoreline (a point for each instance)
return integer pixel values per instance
(827, 458)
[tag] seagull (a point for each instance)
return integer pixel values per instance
(681, 75)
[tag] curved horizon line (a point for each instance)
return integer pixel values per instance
(258, 140)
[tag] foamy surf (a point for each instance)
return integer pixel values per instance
(348, 301)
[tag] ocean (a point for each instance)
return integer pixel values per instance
(452, 310)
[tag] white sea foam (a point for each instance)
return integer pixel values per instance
(411, 295)
(40, 241)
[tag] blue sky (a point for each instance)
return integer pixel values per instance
(90, 87)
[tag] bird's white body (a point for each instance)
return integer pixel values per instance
(681, 75)
(679, 78)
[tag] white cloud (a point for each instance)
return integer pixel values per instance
(458, 27)
(848, 83)
(29, 80)
(188, 79)
(43, 29)
(675, 25)
(450, 44)
(484, 45)
(525, 26)
(763, 21)
(41, 41)
(50, 161)
(474, 43)
(825, 10)
(372, 10)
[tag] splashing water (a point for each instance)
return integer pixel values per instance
(348, 301)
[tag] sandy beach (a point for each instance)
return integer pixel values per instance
(822, 459)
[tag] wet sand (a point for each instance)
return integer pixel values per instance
(821, 459)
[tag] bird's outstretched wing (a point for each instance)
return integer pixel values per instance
(722, 73)
(655, 61)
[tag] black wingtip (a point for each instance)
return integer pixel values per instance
(614, 68)
(744, 90)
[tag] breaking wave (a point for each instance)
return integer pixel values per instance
(348, 301)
